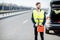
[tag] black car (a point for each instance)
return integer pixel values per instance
(54, 16)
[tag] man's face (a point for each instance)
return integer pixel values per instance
(38, 6)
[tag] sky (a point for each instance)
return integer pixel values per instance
(29, 3)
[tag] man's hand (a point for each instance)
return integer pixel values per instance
(40, 24)
(36, 24)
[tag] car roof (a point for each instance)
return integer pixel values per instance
(54, 1)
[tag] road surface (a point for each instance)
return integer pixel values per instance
(20, 27)
(52, 36)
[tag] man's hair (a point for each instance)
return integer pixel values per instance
(37, 3)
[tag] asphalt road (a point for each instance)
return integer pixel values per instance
(52, 36)
(20, 27)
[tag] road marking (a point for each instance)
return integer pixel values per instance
(25, 21)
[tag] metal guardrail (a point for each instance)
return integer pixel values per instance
(7, 11)
(3, 15)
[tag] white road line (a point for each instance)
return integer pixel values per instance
(25, 21)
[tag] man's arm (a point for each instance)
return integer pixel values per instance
(44, 18)
(32, 18)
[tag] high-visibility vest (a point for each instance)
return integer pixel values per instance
(40, 16)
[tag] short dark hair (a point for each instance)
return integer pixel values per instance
(37, 3)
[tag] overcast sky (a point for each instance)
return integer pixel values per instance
(30, 3)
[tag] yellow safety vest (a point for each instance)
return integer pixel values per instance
(40, 16)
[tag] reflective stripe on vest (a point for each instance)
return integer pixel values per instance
(40, 16)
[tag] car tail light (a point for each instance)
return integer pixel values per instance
(59, 21)
(48, 18)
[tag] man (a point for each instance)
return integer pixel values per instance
(38, 14)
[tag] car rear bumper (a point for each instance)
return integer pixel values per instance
(54, 27)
